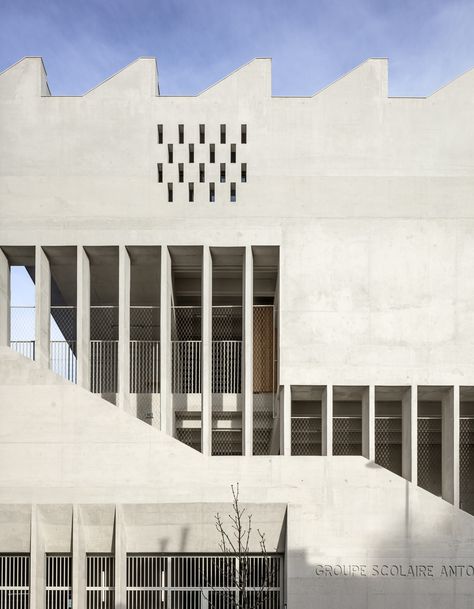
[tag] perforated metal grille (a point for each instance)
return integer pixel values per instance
(58, 581)
(226, 433)
(429, 454)
(186, 349)
(227, 349)
(14, 581)
(466, 464)
(262, 423)
(188, 435)
(306, 436)
(104, 323)
(100, 581)
(145, 323)
(388, 443)
(347, 436)
(22, 330)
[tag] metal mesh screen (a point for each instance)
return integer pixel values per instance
(388, 443)
(263, 378)
(100, 581)
(466, 464)
(188, 435)
(22, 330)
(306, 435)
(226, 433)
(429, 454)
(186, 350)
(144, 349)
(104, 349)
(227, 349)
(58, 581)
(347, 436)
(262, 423)
(14, 581)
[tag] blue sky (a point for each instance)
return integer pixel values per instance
(197, 42)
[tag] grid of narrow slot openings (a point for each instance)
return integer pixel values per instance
(212, 159)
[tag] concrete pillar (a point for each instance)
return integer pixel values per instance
(410, 434)
(4, 301)
(450, 446)
(326, 421)
(83, 318)
(166, 411)
(285, 419)
(120, 554)
(123, 390)
(43, 307)
(206, 355)
(78, 561)
(368, 423)
(37, 563)
(247, 414)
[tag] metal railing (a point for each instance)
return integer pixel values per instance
(24, 347)
(14, 581)
(144, 366)
(100, 581)
(104, 363)
(186, 366)
(226, 366)
(63, 359)
(58, 581)
(22, 330)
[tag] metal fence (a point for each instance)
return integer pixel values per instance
(388, 443)
(22, 330)
(203, 582)
(104, 366)
(466, 464)
(306, 435)
(14, 581)
(58, 581)
(429, 454)
(100, 581)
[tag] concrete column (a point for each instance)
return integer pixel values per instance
(285, 420)
(120, 552)
(4, 301)
(78, 561)
(43, 307)
(206, 364)
(368, 423)
(83, 318)
(326, 421)
(410, 434)
(166, 411)
(247, 414)
(37, 563)
(450, 446)
(123, 397)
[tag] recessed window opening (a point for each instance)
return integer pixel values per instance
(191, 192)
(170, 153)
(160, 134)
(170, 192)
(202, 176)
(160, 172)
(191, 153)
(243, 172)
(222, 174)
(233, 153)
(180, 172)
(212, 153)
(233, 196)
(222, 134)
(243, 134)
(212, 192)
(181, 134)
(202, 134)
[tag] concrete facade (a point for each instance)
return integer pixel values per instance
(298, 319)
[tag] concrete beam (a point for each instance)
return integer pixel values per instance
(450, 446)
(83, 318)
(78, 561)
(410, 434)
(327, 421)
(368, 423)
(206, 363)
(42, 307)
(166, 411)
(120, 553)
(4, 301)
(247, 414)
(123, 390)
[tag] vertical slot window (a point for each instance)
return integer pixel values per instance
(160, 134)
(243, 134)
(233, 153)
(191, 153)
(202, 175)
(180, 172)
(243, 172)
(233, 195)
(170, 153)
(181, 134)
(212, 192)
(191, 192)
(160, 172)
(222, 134)
(222, 174)
(212, 153)
(170, 192)
(202, 134)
